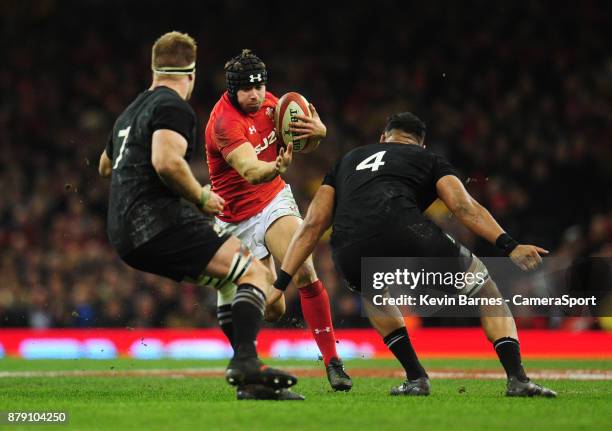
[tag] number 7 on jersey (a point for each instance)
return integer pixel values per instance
(123, 133)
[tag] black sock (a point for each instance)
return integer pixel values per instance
(224, 317)
(247, 315)
(399, 343)
(510, 357)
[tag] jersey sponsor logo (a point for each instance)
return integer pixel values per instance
(270, 112)
(252, 130)
(266, 142)
(255, 78)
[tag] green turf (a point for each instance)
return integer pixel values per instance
(14, 364)
(155, 403)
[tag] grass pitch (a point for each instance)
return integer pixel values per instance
(121, 394)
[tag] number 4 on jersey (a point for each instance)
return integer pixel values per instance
(372, 162)
(123, 133)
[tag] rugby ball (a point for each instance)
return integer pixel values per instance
(288, 106)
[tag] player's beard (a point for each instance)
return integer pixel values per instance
(253, 108)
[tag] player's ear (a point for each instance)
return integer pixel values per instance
(382, 138)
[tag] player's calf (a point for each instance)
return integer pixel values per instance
(317, 313)
(245, 367)
(389, 323)
(500, 328)
(316, 310)
(233, 263)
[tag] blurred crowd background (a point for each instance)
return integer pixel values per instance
(518, 95)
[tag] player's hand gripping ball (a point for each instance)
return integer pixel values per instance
(298, 123)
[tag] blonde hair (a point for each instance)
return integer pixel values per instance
(172, 51)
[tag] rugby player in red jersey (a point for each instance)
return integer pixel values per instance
(245, 164)
(155, 209)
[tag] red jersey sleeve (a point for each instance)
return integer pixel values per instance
(229, 134)
(271, 97)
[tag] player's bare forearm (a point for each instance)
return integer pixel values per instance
(167, 157)
(467, 210)
(479, 220)
(177, 175)
(257, 172)
(244, 160)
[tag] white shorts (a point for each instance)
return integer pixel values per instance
(252, 231)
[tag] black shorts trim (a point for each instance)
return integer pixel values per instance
(178, 253)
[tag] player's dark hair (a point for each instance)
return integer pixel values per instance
(244, 70)
(244, 62)
(407, 122)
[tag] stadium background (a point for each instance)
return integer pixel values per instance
(518, 96)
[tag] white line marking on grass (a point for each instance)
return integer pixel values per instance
(577, 374)
(535, 374)
(184, 372)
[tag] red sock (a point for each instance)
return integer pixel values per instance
(315, 308)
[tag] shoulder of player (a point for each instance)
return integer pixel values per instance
(363, 151)
(228, 120)
(225, 109)
(165, 97)
(351, 158)
(409, 150)
(358, 154)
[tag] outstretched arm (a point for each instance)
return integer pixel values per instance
(318, 220)
(469, 212)
(480, 221)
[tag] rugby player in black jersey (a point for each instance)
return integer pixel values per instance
(159, 214)
(374, 198)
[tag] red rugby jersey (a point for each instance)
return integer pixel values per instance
(227, 129)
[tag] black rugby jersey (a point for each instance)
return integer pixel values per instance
(141, 206)
(382, 186)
